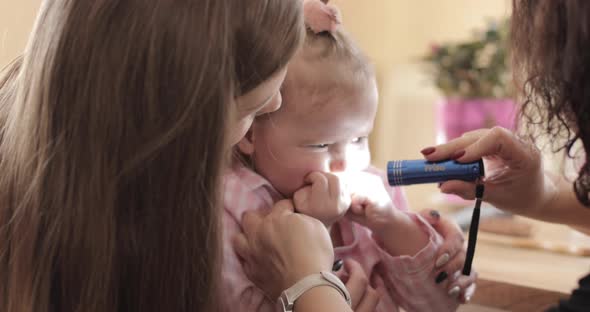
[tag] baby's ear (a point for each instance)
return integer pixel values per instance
(246, 144)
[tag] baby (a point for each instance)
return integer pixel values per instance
(315, 150)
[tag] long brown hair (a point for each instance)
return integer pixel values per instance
(550, 44)
(113, 135)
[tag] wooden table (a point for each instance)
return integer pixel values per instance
(530, 268)
(520, 279)
(492, 296)
(516, 279)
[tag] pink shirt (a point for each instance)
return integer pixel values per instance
(411, 277)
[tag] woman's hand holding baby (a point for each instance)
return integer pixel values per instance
(451, 258)
(282, 247)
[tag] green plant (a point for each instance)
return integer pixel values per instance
(476, 68)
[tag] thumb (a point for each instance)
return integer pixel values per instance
(301, 198)
(284, 206)
(241, 246)
(465, 190)
(316, 177)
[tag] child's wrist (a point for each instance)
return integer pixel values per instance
(403, 236)
(392, 221)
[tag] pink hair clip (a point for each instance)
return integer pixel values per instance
(320, 16)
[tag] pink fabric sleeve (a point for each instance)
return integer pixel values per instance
(237, 291)
(411, 279)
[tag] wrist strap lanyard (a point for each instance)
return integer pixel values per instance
(473, 228)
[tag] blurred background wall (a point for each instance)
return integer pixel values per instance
(16, 21)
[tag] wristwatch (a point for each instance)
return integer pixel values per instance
(324, 278)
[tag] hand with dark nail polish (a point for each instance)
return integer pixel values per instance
(441, 277)
(337, 265)
(427, 151)
(458, 155)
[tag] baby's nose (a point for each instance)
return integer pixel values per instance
(338, 165)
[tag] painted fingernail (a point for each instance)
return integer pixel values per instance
(458, 155)
(435, 214)
(441, 277)
(427, 151)
(442, 260)
(337, 265)
(454, 292)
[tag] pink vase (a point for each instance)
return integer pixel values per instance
(457, 116)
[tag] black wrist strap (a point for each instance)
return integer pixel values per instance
(473, 230)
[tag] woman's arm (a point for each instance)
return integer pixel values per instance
(320, 299)
(563, 207)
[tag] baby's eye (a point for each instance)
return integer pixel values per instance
(359, 140)
(319, 146)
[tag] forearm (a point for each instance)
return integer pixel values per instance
(403, 236)
(320, 299)
(562, 205)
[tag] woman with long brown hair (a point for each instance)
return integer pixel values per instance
(114, 127)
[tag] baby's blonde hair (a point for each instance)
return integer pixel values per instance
(327, 60)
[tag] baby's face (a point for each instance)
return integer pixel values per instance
(305, 136)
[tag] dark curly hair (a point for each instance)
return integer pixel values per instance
(551, 57)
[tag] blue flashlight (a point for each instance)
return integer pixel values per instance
(408, 172)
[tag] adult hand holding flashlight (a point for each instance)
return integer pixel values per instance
(409, 172)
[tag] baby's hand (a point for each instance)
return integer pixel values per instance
(326, 198)
(371, 205)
